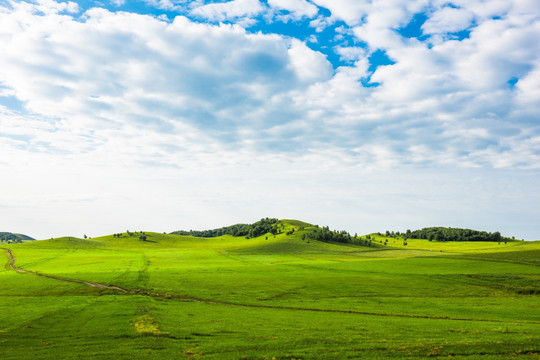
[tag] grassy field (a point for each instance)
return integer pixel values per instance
(269, 298)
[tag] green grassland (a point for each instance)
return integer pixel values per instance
(270, 297)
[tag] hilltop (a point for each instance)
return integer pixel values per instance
(261, 227)
(10, 237)
(450, 234)
(307, 231)
(314, 232)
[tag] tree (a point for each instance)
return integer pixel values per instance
(453, 234)
(259, 228)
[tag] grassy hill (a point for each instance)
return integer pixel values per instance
(282, 296)
(13, 237)
(449, 234)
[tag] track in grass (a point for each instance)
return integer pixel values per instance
(12, 265)
(143, 292)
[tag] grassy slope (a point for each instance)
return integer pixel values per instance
(427, 299)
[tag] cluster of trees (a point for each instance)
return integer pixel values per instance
(326, 235)
(142, 235)
(11, 241)
(271, 225)
(261, 227)
(5, 236)
(450, 234)
(9, 237)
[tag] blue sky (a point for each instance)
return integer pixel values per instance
(362, 115)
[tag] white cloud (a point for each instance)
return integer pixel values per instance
(321, 23)
(309, 65)
(527, 98)
(382, 18)
(121, 73)
(297, 8)
(351, 53)
(229, 10)
(115, 72)
(170, 5)
(209, 107)
(4, 92)
(381, 13)
(496, 51)
(350, 11)
(118, 2)
(447, 20)
(53, 7)
(487, 9)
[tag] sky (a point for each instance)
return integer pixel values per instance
(360, 115)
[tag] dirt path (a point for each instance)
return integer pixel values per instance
(212, 302)
(92, 284)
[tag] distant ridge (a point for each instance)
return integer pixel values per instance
(263, 226)
(14, 237)
(450, 234)
(275, 226)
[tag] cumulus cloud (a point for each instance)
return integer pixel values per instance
(229, 10)
(122, 72)
(169, 5)
(297, 8)
(309, 66)
(350, 11)
(321, 23)
(448, 20)
(187, 104)
(449, 83)
(53, 7)
(351, 53)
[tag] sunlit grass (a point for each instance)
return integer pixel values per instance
(282, 297)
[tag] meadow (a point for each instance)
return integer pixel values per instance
(270, 297)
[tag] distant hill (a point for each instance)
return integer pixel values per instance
(450, 234)
(259, 228)
(14, 237)
(275, 226)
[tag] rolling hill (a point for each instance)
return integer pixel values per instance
(146, 295)
(13, 237)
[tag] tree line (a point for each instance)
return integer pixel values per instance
(261, 227)
(326, 235)
(13, 238)
(449, 234)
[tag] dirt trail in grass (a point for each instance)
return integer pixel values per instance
(261, 306)
(92, 284)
